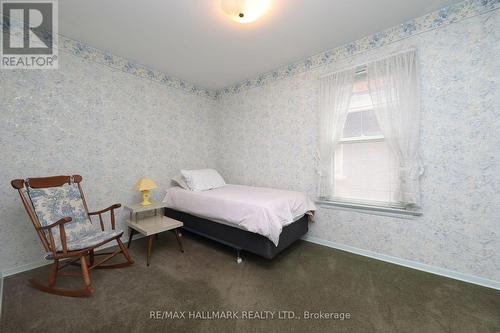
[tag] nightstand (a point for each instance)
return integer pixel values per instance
(149, 222)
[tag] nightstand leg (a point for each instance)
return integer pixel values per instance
(150, 244)
(178, 236)
(130, 234)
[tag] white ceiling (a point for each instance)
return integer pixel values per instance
(194, 41)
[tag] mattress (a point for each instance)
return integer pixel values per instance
(261, 210)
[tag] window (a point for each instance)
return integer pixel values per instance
(369, 133)
(364, 170)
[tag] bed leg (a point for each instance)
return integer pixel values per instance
(238, 258)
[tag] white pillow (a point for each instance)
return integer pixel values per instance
(203, 179)
(179, 181)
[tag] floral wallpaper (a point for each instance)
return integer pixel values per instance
(268, 137)
(105, 124)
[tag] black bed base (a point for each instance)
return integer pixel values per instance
(241, 239)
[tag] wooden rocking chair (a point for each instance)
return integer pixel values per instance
(58, 204)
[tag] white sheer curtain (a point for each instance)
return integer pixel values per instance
(395, 92)
(335, 94)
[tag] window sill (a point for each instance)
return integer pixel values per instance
(369, 209)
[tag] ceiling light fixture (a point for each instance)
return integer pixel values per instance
(244, 11)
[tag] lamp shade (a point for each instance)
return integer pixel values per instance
(244, 11)
(145, 184)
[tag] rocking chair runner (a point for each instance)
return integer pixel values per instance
(57, 208)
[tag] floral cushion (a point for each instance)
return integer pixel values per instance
(92, 239)
(54, 203)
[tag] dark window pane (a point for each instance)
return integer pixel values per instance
(370, 123)
(352, 127)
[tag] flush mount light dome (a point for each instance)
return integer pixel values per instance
(244, 11)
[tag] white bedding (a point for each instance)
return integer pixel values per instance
(264, 211)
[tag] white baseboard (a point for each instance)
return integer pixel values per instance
(23, 268)
(1, 295)
(407, 263)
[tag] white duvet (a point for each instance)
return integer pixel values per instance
(264, 211)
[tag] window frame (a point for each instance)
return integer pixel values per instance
(369, 208)
(362, 138)
(366, 206)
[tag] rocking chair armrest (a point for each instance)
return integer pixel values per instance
(62, 221)
(62, 234)
(112, 207)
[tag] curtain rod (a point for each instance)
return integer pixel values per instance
(363, 64)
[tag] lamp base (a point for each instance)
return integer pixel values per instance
(145, 198)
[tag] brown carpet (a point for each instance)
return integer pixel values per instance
(378, 296)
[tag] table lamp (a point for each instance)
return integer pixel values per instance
(144, 185)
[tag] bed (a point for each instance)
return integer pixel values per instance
(259, 220)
